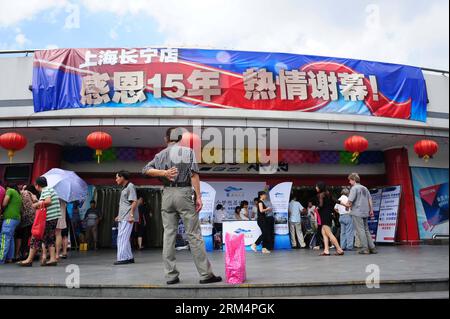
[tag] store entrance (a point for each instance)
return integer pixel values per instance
(305, 194)
(108, 203)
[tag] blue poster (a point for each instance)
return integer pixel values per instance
(376, 202)
(431, 199)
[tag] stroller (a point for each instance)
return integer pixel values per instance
(181, 242)
(313, 238)
(308, 231)
(218, 240)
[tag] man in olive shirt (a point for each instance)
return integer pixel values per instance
(12, 203)
(177, 167)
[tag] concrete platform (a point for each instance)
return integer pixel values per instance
(296, 273)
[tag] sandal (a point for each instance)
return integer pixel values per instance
(339, 254)
(53, 263)
(324, 254)
(24, 264)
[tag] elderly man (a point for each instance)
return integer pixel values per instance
(360, 202)
(177, 167)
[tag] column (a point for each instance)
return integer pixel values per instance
(398, 173)
(46, 157)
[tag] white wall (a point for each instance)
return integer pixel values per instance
(15, 77)
(438, 92)
(24, 156)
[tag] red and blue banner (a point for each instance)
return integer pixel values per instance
(170, 77)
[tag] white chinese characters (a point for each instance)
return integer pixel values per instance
(129, 56)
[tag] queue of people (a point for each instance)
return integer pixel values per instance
(326, 223)
(18, 205)
(341, 224)
(181, 198)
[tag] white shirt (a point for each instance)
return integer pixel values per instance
(254, 212)
(341, 209)
(218, 216)
(295, 209)
(343, 199)
(243, 217)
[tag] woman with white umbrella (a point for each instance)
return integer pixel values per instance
(70, 188)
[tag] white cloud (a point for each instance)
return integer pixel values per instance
(51, 46)
(113, 34)
(15, 11)
(409, 32)
(318, 28)
(21, 39)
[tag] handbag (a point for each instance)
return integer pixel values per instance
(235, 269)
(38, 229)
(319, 220)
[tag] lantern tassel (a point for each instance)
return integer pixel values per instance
(11, 155)
(99, 154)
(355, 156)
(426, 158)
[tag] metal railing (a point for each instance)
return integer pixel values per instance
(439, 236)
(26, 52)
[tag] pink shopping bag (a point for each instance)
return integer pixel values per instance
(235, 259)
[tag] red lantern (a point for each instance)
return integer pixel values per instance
(356, 144)
(13, 142)
(426, 149)
(190, 140)
(99, 141)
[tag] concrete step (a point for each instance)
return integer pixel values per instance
(284, 290)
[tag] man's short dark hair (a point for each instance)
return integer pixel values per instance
(93, 202)
(174, 134)
(124, 174)
(41, 181)
(243, 203)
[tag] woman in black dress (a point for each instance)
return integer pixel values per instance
(326, 209)
(265, 223)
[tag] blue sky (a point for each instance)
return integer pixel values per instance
(410, 32)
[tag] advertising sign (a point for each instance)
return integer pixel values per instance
(225, 79)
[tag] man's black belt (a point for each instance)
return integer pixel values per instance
(184, 184)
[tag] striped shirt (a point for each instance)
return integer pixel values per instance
(54, 210)
(183, 158)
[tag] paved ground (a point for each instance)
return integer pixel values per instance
(405, 295)
(280, 267)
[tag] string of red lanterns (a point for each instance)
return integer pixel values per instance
(101, 141)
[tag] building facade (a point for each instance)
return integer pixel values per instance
(56, 137)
